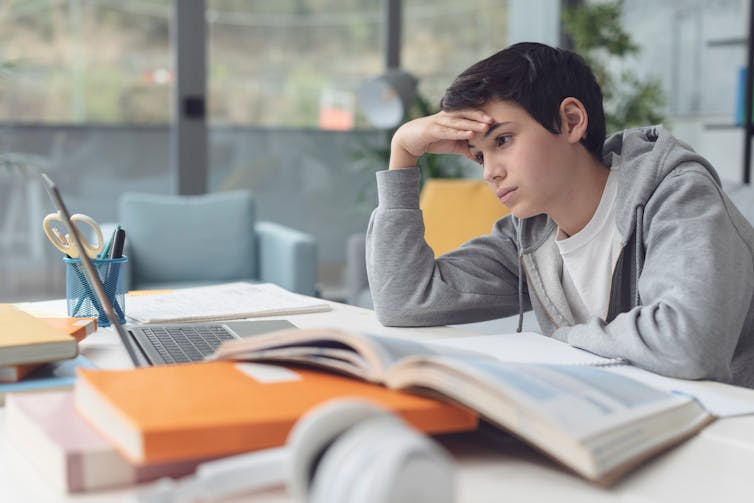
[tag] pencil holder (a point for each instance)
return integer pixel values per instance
(82, 300)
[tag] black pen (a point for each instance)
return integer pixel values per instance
(111, 282)
(116, 251)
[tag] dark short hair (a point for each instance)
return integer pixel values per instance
(537, 77)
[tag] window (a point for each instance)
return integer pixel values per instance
(442, 38)
(81, 61)
(300, 63)
(271, 63)
(291, 63)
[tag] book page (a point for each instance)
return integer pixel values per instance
(392, 349)
(580, 400)
(220, 302)
(530, 347)
(340, 360)
(712, 395)
(363, 355)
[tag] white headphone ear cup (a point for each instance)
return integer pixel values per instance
(314, 433)
(421, 471)
(383, 460)
(342, 473)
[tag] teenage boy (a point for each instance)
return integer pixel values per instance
(627, 248)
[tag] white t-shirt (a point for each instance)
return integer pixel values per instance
(589, 258)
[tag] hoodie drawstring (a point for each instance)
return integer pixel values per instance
(638, 252)
(520, 326)
(520, 297)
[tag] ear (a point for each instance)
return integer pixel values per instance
(574, 119)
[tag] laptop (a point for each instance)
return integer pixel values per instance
(161, 344)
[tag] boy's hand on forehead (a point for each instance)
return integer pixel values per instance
(441, 133)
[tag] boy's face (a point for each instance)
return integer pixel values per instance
(526, 165)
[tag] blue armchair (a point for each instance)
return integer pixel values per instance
(174, 241)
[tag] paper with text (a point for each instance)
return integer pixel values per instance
(221, 302)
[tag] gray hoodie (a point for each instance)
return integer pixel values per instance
(681, 300)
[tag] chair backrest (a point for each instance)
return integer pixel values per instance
(457, 210)
(203, 238)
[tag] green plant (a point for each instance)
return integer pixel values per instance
(598, 36)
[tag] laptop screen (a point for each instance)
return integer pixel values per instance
(89, 269)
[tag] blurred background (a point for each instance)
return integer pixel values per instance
(90, 92)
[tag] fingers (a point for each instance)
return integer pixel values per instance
(468, 121)
(441, 133)
(472, 114)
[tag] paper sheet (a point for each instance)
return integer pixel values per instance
(220, 302)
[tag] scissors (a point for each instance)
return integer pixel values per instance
(64, 243)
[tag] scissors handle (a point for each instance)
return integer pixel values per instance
(64, 243)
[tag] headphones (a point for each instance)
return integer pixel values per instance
(341, 451)
(353, 451)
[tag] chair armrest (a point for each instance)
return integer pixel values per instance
(287, 257)
(107, 231)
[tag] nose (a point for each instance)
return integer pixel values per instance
(493, 172)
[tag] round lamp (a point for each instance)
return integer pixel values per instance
(385, 99)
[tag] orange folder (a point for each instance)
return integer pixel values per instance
(175, 412)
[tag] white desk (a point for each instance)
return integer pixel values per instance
(715, 466)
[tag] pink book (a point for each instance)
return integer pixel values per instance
(71, 454)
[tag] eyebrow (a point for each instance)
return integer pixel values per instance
(492, 128)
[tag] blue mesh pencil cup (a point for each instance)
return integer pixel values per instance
(82, 300)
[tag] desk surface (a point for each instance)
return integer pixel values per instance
(713, 466)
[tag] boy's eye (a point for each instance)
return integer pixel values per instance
(503, 139)
(479, 157)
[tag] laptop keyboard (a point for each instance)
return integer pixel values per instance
(185, 344)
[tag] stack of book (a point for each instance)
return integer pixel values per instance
(37, 354)
(121, 427)
(126, 426)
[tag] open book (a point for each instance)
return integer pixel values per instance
(598, 423)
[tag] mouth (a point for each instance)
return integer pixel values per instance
(505, 194)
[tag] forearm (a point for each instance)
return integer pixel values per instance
(662, 338)
(400, 158)
(410, 288)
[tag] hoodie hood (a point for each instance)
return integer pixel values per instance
(647, 155)
(642, 158)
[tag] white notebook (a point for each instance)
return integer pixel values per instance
(220, 302)
(528, 347)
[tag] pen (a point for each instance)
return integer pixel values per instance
(105, 253)
(111, 283)
(115, 246)
(119, 238)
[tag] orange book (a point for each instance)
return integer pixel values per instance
(78, 328)
(174, 412)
